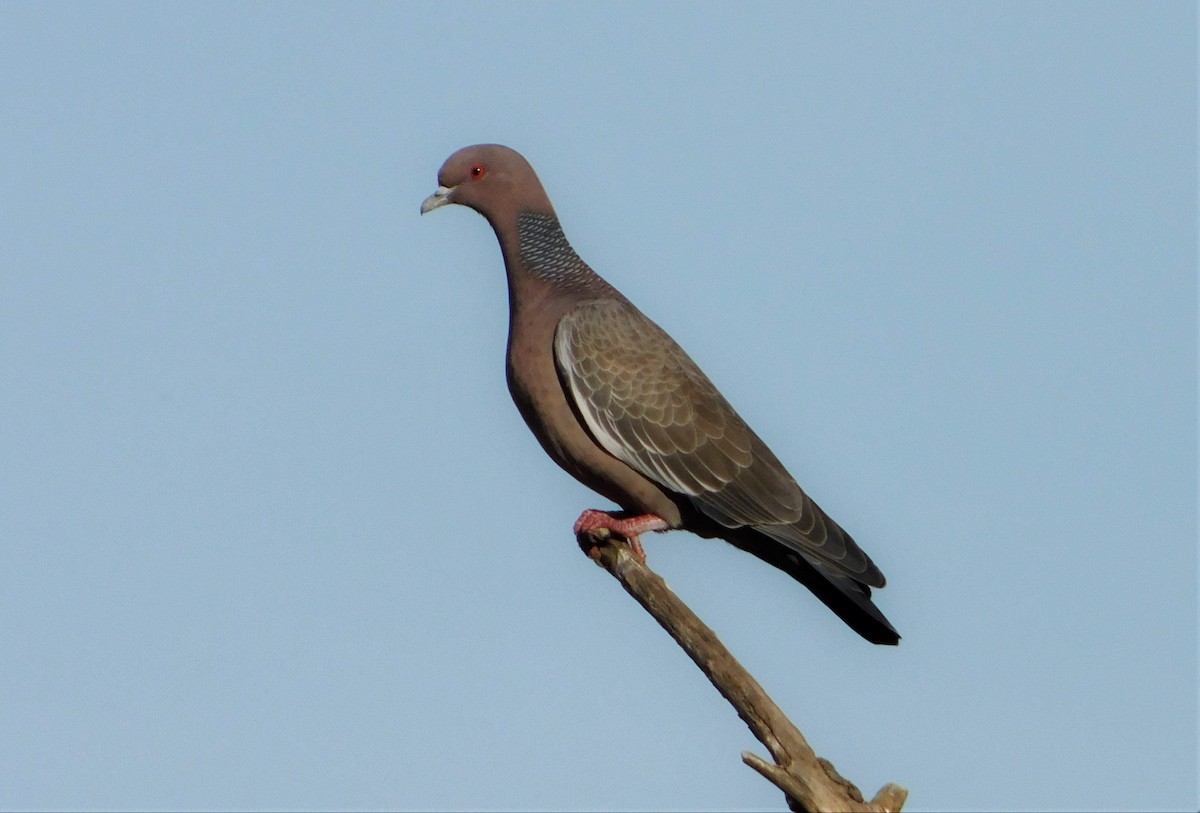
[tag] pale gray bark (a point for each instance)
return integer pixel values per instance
(809, 783)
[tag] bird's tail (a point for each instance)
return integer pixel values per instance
(851, 600)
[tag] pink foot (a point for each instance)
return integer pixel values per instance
(628, 528)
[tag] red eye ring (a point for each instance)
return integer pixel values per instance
(477, 171)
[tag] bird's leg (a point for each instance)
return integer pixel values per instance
(628, 528)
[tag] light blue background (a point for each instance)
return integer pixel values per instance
(273, 536)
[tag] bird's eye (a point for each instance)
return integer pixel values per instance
(478, 171)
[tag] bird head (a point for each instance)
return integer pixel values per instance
(491, 179)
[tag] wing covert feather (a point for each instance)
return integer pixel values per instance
(649, 405)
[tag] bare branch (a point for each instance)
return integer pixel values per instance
(808, 782)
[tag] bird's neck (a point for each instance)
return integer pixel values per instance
(543, 253)
(542, 267)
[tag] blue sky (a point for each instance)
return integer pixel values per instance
(274, 536)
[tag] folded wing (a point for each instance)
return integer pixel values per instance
(648, 404)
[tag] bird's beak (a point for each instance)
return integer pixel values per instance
(439, 198)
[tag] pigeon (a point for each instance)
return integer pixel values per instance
(620, 406)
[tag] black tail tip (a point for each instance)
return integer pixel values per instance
(888, 637)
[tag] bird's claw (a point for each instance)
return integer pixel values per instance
(628, 528)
